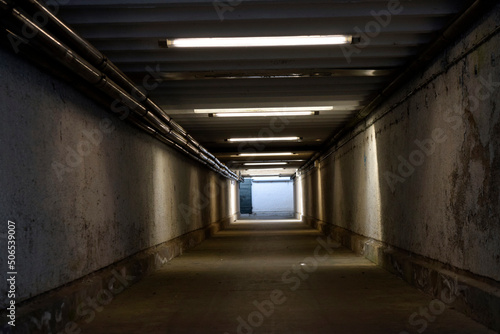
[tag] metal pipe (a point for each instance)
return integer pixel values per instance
(155, 121)
(84, 48)
(177, 127)
(179, 137)
(193, 148)
(94, 76)
(77, 64)
(95, 57)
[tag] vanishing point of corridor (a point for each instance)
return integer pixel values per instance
(139, 137)
(274, 277)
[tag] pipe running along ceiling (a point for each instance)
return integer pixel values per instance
(118, 45)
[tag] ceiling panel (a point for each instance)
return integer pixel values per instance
(345, 77)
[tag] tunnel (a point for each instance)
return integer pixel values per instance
(250, 166)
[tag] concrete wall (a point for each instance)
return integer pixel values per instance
(86, 189)
(272, 197)
(298, 197)
(423, 172)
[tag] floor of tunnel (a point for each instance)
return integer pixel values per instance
(267, 216)
(274, 277)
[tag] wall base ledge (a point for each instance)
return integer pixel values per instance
(475, 296)
(64, 309)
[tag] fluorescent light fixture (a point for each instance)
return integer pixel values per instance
(274, 109)
(278, 154)
(264, 41)
(263, 170)
(263, 114)
(265, 163)
(233, 140)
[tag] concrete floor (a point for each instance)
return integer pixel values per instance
(274, 277)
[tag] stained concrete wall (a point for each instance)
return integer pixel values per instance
(423, 172)
(85, 188)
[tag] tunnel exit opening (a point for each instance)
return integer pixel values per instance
(267, 198)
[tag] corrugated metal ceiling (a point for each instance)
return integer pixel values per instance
(348, 78)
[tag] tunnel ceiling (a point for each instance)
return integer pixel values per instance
(181, 80)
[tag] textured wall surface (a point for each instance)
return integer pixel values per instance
(85, 188)
(423, 172)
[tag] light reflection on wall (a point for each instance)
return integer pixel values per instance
(214, 194)
(160, 193)
(299, 195)
(372, 210)
(319, 194)
(233, 197)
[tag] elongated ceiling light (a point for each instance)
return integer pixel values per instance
(251, 110)
(277, 154)
(263, 139)
(264, 41)
(264, 114)
(266, 163)
(263, 170)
